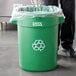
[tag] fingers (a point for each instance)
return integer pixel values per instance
(32, 1)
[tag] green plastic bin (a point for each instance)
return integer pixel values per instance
(38, 38)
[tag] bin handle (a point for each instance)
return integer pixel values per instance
(61, 20)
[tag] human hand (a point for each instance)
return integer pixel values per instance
(32, 1)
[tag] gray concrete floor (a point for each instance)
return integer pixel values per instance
(9, 59)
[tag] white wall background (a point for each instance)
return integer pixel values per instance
(6, 6)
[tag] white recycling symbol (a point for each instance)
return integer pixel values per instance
(38, 45)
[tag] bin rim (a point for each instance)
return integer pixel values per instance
(19, 14)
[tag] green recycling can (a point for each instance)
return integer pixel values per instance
(38, 40)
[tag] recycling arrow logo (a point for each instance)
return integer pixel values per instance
(38, 45)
